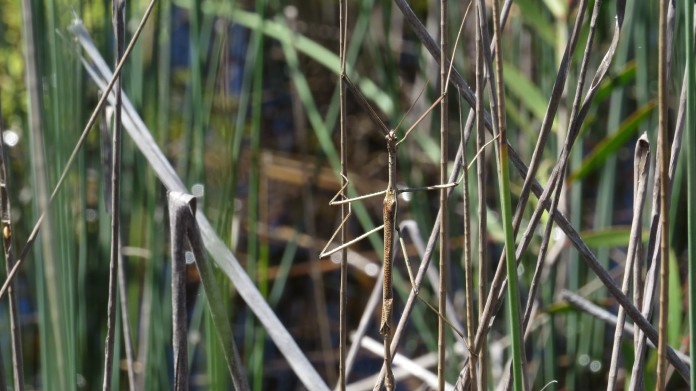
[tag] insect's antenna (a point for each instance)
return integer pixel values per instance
(343, 47)
(449, 72)
(421, 118)
(480, 151)
(366, 106)
(459, 34)
(412, 105)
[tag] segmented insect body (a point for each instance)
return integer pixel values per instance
(389, 214)
(390, 206)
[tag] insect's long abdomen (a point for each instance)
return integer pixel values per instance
(389, 215)
(387, 292)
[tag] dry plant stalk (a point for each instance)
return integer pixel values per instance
(185, 236)
(444, 239)
(640, 178)
(481, 198)
(663, 164)
(343, 332)
(118, 19)
(179, 314)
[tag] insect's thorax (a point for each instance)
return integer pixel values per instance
(391, 140)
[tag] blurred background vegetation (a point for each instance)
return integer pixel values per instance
(245, 106)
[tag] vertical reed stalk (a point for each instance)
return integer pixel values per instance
(506, 208)
(125, 316)
(468, 268)
(663, 164)
(343, 296)
(444, 272)
(308, 202)
(119, 9)
(691, 173)
(481, 181)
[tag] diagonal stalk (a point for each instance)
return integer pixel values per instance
(610, 319)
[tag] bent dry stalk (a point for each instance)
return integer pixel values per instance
(185, 236)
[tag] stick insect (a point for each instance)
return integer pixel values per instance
(390, 206)
(389, 214)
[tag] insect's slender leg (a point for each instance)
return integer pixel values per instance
(415, 288)
(439, 314)
(421, 118)
(358, 198)
(480, 151)
(408, 262)
(325, 253)
(434, 187)
(442, 96)
(451, 184)
(340, 191)
(362, 101)
(334, 201)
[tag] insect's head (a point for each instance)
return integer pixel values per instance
(391, 136)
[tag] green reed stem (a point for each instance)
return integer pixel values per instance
(691, 175)
(506, 209)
